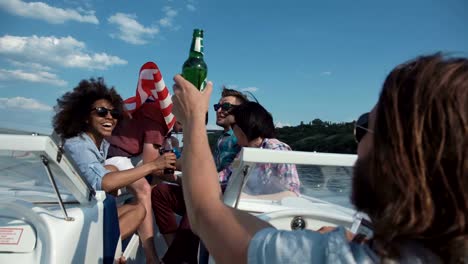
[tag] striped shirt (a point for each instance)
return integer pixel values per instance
(267, 178)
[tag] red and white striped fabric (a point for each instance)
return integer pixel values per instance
(151, 86)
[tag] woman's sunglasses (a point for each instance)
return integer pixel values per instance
(224, 106)
(102, 112)
(361, 127)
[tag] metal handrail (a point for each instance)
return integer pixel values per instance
(45, 161)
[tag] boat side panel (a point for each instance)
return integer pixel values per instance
(58, 240)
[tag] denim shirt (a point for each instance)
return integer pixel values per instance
(271, 246)
(279, 246)
(88, 158)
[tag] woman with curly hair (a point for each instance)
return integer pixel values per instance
(84, 117)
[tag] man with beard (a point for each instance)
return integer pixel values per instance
(168, 200)
(411, 178)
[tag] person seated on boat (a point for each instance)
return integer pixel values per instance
(410, 178)
(254, 128)
(137, 139)
(84, 117)
(168, 199)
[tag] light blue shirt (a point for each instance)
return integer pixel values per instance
(270, 245)
(88, 158)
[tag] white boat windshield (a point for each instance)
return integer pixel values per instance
(27, 164)
(328, 183)
(24, 176)
(319, 176)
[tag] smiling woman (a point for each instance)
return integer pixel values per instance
(84, 118)
(75, 109)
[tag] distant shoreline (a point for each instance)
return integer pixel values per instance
(16, 131)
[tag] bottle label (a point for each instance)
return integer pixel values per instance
(198, 45)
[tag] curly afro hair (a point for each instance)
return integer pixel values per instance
(73, 108)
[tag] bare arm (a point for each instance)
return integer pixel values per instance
(118, 179)
(150, 152)
(228, 241)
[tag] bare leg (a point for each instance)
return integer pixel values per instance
(130, 217)
(142, 191)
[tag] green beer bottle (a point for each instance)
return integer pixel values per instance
(194, 69)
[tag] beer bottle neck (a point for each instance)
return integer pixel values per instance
(196, 50)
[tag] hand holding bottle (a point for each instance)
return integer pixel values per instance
(190, 103)
(165, 161)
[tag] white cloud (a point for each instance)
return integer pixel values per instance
(23, 103)
(30, 65)
(43, 11)
(280, 125)
(168, 20)
(79, 3)
(66, 51)
(326, 73)
(249, 89)
(191, 7)
(34, 77)
(130, 30)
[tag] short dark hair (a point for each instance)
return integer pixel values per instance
(241, 98)
(73, 108)
(254, 120)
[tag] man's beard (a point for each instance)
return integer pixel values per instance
(362, 195)
(224, 122)
(221, 123)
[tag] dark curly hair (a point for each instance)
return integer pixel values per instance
(73, 108)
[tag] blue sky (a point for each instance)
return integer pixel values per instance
(302, 59)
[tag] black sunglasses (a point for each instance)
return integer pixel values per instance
(361, 127)
(102, 112)
(224, 106)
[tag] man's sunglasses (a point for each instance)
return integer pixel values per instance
(361, 127)
(102, 112)
(224, 106)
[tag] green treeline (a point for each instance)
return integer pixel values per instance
(320, 136)
(317, 135)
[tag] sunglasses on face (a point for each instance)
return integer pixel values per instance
(224, 106)
(102, 112)
(361, 127)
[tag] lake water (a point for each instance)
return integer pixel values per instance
(329, 183)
